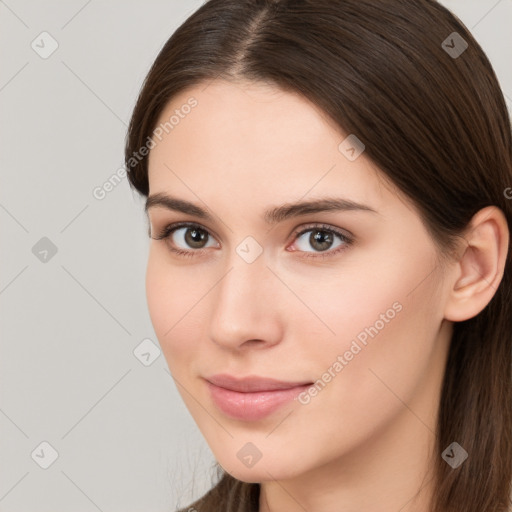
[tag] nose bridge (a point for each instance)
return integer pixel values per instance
(242, 290)
(244, 305)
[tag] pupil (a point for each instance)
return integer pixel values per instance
(324, 239)
(195, 236)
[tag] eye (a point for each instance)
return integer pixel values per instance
(194, 236)
(321, 239)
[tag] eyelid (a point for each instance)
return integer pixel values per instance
(346, 237)
(344, 233)
(173, 226)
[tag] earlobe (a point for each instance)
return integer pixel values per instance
(480, 268)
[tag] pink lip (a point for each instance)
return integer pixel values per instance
(252, 398)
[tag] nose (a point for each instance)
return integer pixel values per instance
(246, 306)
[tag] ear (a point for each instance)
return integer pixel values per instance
(479, 270)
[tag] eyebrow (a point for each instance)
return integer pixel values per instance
(272, 216)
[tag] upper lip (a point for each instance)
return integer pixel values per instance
(252, 383)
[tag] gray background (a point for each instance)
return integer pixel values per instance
(72, 320)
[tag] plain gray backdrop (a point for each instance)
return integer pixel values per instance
(90, 418)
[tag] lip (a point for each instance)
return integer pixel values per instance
(251, 398)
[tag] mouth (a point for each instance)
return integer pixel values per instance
(252, 398)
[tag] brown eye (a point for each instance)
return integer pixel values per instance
(321, 239)
(195, 237)
(185, 238)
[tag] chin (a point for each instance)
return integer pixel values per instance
(273, 468)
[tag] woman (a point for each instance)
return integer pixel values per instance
(328, 197)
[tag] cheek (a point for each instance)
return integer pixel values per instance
(356, 398)
(385, 327)
(167, 297)
(342, 304)
(173, 294)
(159, 295)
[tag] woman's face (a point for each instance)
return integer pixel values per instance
(284, 296)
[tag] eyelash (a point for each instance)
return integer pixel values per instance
(347, 241)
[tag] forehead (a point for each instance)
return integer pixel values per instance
(245, 141)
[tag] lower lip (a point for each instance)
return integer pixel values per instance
(252, 406)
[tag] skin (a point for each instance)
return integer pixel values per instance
(363, 442)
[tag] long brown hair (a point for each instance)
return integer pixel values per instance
(433, 118)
